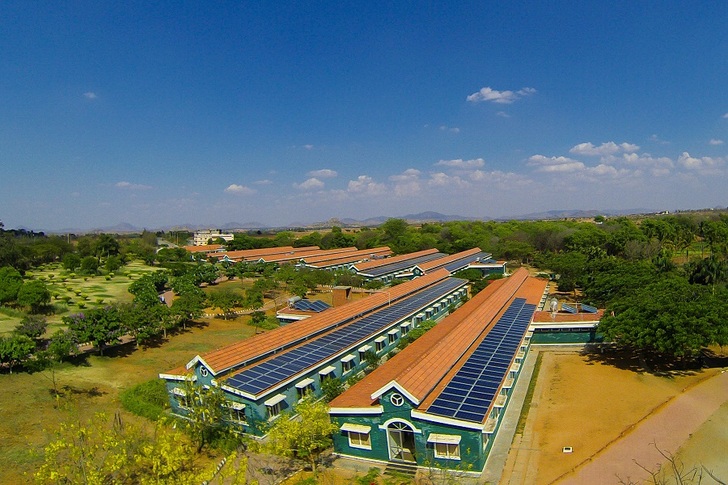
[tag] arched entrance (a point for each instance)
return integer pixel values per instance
(401, 441)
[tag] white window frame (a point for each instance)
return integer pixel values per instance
(273, 406)
(359, 436)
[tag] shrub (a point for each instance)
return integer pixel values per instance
(148, 399)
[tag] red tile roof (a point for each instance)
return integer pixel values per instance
(563, 317)
(206, 248)
(226, 358)
(427, 363)
(440, 262)
(393, 259)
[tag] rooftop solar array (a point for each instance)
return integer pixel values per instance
(260, 377)
(464, 261)
(311, 305)
(401, 265)
(471, 391)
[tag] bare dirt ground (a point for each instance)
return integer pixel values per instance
(586, 403)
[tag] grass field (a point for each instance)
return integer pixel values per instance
(30, 411)
(72, 293)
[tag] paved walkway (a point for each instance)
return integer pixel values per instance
(668, 428)
(498, 455)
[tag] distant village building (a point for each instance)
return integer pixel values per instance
(202, 237)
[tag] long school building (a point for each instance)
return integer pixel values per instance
(439, 401)
(267, 374)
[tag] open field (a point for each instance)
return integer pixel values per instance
(586, 402)
(72, 293)
(30, 412)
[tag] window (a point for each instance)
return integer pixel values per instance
(274, 406)
(236, 412)
(358, 435)
(362, 352)
(380, 343)
(447, 451)
(405, 328)
(182, 398)
(392, 336)
(446, 446)
(327, 373)
(304, 388)
(360, 440)
(380, 346)
(347, 363)
(274, 410)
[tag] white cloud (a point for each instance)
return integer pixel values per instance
(699, 164)
(323, 173)
(239, 189)
(406, 184)
(500, 97)
(609, 148)
(406, 176)
(441, 179)
(658, 165)
(263, 182)
(130, 186)
(308, 147)
(725, 116)
(451, 129)
(713, 141)
(555, 164)
(503, 114)
(366, 185)
(311, 184)
(90, 95)
(460, 163)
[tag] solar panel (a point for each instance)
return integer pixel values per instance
(401, 265)
(285, 365)
(471, 391)
(568, 308)
(311, 305)
(588, 308)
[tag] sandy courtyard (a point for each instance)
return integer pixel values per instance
(585, 403)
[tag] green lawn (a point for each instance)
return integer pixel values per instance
(30, 412)
(72, 293)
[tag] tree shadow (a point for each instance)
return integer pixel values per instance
(120, 350)
(640, 362)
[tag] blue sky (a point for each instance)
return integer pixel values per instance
(163, 113)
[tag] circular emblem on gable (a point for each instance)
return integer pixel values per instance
(396, 399)
(203, 372)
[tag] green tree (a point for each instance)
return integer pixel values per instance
(10, 282)
(15, 350)
(71, 261)
(141, 322)
(205, 414)
(225, 300)
(89, 265)
(101, 326)
(106, 245)
(34, 295)
(669, 317)
(33, 326)
(306, 437)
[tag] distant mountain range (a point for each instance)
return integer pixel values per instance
(419, 218)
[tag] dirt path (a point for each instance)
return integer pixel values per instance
(668, 428)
